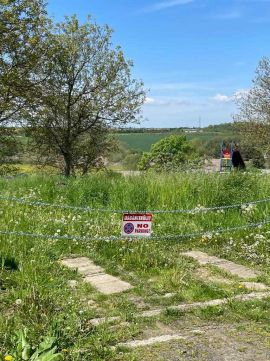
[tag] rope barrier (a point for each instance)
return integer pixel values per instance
(115, 238)
(121, 211)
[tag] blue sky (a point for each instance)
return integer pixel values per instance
(193, 55)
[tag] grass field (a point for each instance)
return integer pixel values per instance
(34, 290)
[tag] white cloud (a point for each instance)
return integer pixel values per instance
(149, 100)
(238, 95)
(221, 98)
(166, 101)
(165, 5)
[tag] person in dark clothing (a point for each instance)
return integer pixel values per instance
(237, 159)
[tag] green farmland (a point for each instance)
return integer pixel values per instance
(143, 141)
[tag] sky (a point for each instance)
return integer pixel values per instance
(194, 56)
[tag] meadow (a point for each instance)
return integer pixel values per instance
(35, 294)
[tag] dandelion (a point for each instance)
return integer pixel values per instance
(8, 358)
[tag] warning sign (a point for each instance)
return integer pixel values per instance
(137, 224)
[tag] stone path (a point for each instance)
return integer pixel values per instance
(228, 266)
(187, 307)
(96, 276)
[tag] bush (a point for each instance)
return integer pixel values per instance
(170, 154)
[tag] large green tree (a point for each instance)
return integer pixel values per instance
(88, 85)
(22, 29)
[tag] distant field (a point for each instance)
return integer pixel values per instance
(143, 141)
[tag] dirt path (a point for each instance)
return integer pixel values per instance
(209, 342)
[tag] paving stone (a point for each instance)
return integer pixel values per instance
(228, 266)
(152, 341)
(243, 298)
(255, 286)
(108, 284)
(96, 276)
(160, 339)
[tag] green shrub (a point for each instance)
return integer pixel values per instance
(170, 154)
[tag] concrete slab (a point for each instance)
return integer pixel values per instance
(152, 341)
(255, 286)
(228, 266)
(96, 276)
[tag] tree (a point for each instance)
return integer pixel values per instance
(169, 154)
(88, 86)
(89, 151)
(92, 149)
(9, 151)
(22, 24)
(253, 118)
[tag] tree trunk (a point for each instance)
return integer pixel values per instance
(68, 165)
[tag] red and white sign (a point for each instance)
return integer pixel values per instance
(137, 224)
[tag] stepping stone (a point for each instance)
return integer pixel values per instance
(159, 339)
(96, 276)
(152, 341)
(228, 266)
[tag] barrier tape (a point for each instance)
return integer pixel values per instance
(87, 209)
(115, 238)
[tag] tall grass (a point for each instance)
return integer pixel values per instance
(145, 192)
(31, 274)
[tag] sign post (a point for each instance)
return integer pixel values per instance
(137, 225)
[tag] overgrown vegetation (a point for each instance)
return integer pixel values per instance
(35, 293)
